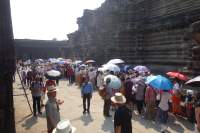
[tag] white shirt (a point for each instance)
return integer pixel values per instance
(91, 74)
(100, 81)
(165, 98)
(176, 86)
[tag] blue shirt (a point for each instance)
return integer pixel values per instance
(87, 88)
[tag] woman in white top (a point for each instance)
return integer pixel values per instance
(162, 115)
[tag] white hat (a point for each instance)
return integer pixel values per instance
(51, 89)
(64, 126)
(118, 98)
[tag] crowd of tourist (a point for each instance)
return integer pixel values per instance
(133, 91)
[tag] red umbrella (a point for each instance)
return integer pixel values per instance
(177, 75)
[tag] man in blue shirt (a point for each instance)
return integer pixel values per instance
(86, 94)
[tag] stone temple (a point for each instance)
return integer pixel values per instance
(148, 32)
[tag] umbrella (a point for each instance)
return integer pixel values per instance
(141, 69)
(126, 68)
(39, 60)
(53, 60)
(159, 82)
(62, 62)
(116, 61)
(77, 62)
(82, 66)
(111, 67)
(195, 82)
(177, 75)
(90, 61)
(28, 62)
(53, 74)
(101, 69)
(115, 82)
(61, 59)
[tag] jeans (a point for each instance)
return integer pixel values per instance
(36, 104)
(86, 97)
(162, 116)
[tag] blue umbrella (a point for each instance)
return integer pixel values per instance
(159, 82)
(126, 68)
(115, 82)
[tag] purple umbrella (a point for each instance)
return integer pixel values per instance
(141, 69)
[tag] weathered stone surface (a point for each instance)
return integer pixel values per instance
(146, 32)
(35, 49)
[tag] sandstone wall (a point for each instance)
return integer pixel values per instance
(146, 32)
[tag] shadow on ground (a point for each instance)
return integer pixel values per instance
(107, 125)
(30, 122)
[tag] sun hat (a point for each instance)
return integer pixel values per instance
(51, 89)
(64, 126)
(118, 98)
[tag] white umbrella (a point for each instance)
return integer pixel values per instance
(195, 82)
(111, 67)
(53, 74)
(115, 82)
(77, 62)
(116, 61)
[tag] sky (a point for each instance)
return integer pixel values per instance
(48, 19)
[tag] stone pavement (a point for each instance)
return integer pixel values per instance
(72, 109)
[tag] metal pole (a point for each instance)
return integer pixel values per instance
(24, 91)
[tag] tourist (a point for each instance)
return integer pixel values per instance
(36, 91)
(122, 117)
(92, 75)
(100, 78)
(163, 109)
(52, 108)
(29, 77)
(150, 100)
(176, 86)
(128, 85)
(139, 91)
(50, 82)
(70, 74)
(107, 101)
(176, 100)
(23, 75)
(86, 94)
(197, 115)
(43, 92)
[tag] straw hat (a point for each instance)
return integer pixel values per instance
(64, 126)
(51, 89)
(118, 98)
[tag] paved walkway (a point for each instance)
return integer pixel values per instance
(72, 109)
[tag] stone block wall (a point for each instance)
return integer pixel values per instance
(148, 32)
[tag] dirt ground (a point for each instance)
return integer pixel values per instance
(72, 110)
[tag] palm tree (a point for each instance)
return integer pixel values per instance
(7, 69)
